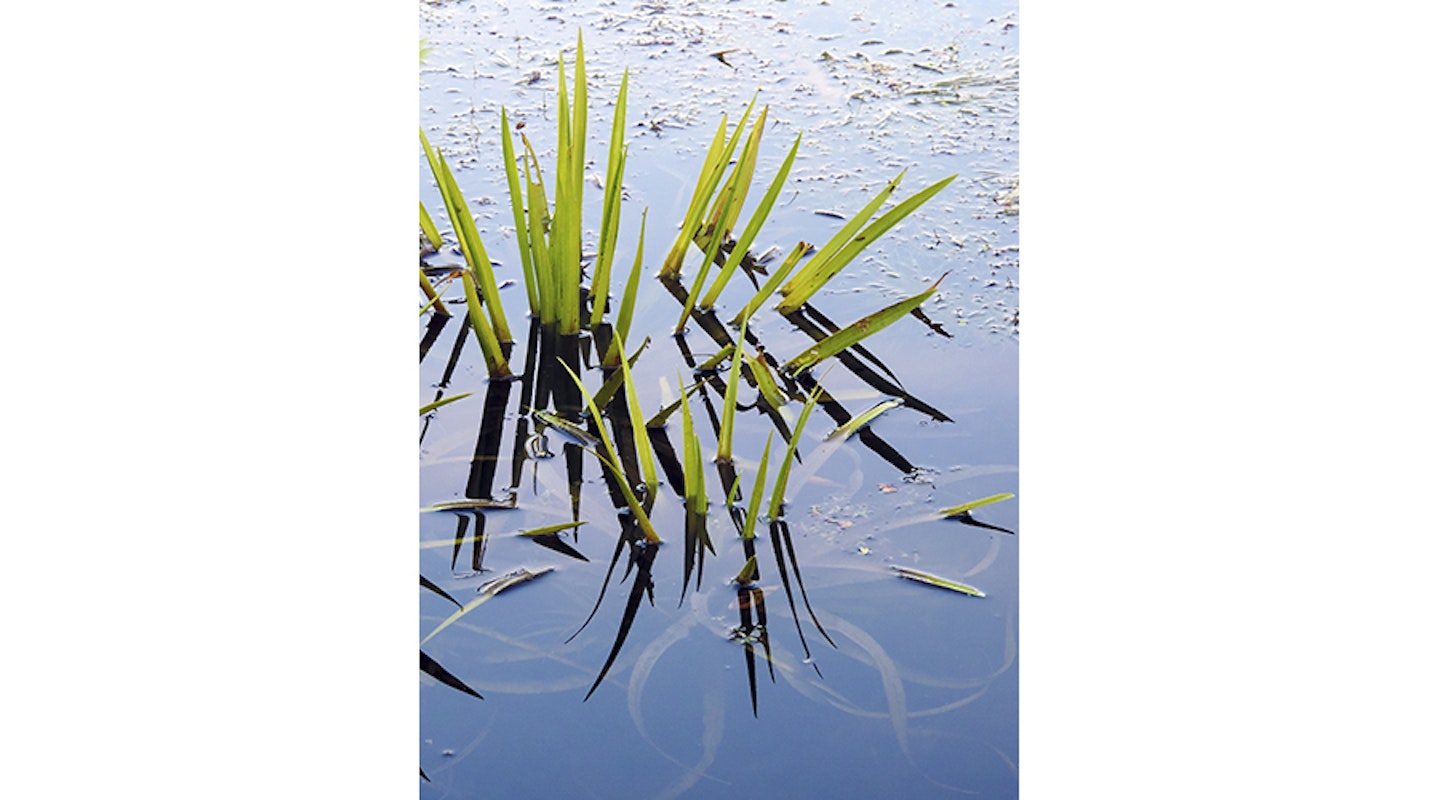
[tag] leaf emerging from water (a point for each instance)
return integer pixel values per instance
(760, 370)
(517, 213)
(819, 272)
(936, 580)
(426, 409)
(627, 302)
(612, 384)
(714, 361)
(610, 211)
(469, 238)
(495, 362)
(727, 410)
(752, 228)
(747, 573)
(857, 331)
(856, 423)
(549, 529)
(805, 282)
(612, 461)
(956, 511)
(432, 234)
(770, 285)
(778, 496)
(757, 491)
(637, 427)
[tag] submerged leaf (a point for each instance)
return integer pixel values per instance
(936, 580)
(472, 504)
(567, 427)
(487, 591)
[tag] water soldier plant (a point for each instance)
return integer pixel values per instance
(577, 338)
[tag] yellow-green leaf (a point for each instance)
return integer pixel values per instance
(956, 511)
(857, 331)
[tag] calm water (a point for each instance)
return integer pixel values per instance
(918, 696)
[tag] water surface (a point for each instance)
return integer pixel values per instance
(919, 695)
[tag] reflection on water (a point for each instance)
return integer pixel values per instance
(793, 663)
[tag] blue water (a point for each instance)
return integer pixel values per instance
(920, 696)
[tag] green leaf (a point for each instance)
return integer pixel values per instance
(539, 227)
(714, 361)
(428, 226)
(489, 590)
(722, 221)
(716, 160)
(611, 463)
(857, 331)
(955, 511)
(822, 271)
(579, 434)
(434, 301)
(770, 285)
(803, 280)
(747, 573)
(627, 303)
(710, 251)
(727, 409)
(663, 415)
(469, 237)
(699, 199)
(778, 493)
(426, 409)
(760, 370)
(610, 214)
(856, 423)
(748, 531)
(637, 428)
(612, 384)
(495, 362)
(549, 529)
(694, 469)
(936, 580)
(517, 212)
(752, 229)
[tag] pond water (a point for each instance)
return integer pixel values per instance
(915, 692)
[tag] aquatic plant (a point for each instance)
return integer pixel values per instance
(609, 425)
